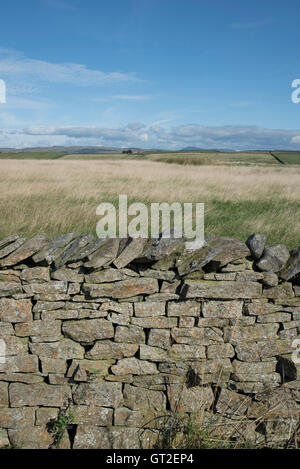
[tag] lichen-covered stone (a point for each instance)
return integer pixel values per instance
(256, 332)
(219, 289)
(187, 308)
(123, 288)
(65, 348)
(195, 399)
(106, 349)
(130, 334)
(158, 322)
(15, 310)
(88, 330)
(40, 394)
(256, 243)
(27, 249)
(274, 258)
(222, 309)
(101, 394)
(149, 309)
(159, 338)
(35, 275)
(132, 365)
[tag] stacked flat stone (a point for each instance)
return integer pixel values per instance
(125, 332)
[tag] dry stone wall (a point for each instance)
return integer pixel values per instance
(116, 336)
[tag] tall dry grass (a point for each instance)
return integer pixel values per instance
(59, 196)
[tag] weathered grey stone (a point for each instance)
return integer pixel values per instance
(90, 437)
(149, 309)
(193, 399)
(170, 287)
(232, 404)
(186, 352)
(159, 338)
(270, 279)
(101, 394)
(221, 250)
(134, 366)
(39, 394)
(20, 364)
(44, 415)
(223, 290)
(15, 310)
(222, 309)
(141, 398)
(213, 322)
(105, 275)
(104, 255)
(106, 349)
(6, 329)
(88, 330)
(220, 351)
(9, 275)
(158, 322)
(132, 250)
(35, 275)
(92, 415)
(274, 258)
(249, 371)
(3, 394)
(65, 348)
(154, 354)
(275, 317)
(93, 369)
(121, 319)
(30, 437)
(10, 288)
(161, 247)
(73, 250)
(123, 288)
(67, 275)
(187, 321)
(54, 248)
(247, 276)
(40, 331)
(282, 291)
(130, 334)
(159, 297)
(292, 267)
(14, 346)
(49, 288)
(256, 243)
(26, 250)
(144, 271)
(124, 308)
(17, 417)
(262, 350)
(260, 307)
(186, 308)
(196, 335)
(257, 332)
(8, 240)
(53, 365)
(11, 247)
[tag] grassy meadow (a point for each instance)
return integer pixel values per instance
(57, 196)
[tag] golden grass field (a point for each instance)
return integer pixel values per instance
(57, 196)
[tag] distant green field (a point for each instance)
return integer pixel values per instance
(215, 158)
(289, 158)
(102, 156)
(193, 157)
(30, 155)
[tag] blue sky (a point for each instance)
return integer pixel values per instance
(150, 73)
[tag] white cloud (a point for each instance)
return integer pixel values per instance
(155, 136)
(14, 64)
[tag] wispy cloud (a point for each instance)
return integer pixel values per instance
(124, 97)
(156, 135)
(15, 64)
